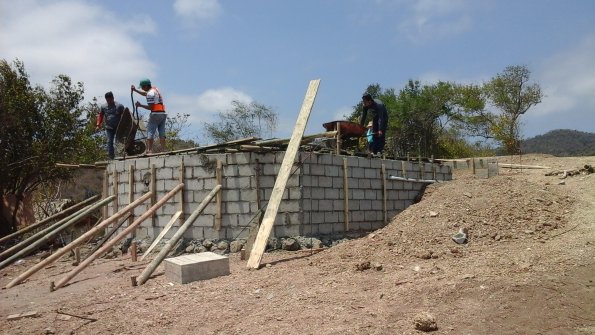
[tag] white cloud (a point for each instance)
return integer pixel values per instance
(198, 11)
(204, 107)
(567, 80)
(433, 19)
(78, 39)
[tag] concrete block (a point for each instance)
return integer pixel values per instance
(332, 170)
(245, 170)
(363, 183)
(325, 181)
(188, 268)
(230, 195)
(239, 158)
(247, 195)
(331, 217)
(357, 194)
(365, 205)
(237, 207)
(230, 170)
(279, 156)
(266, 181)
(325, 159)
(159, 162)
(286, 231)
(338, 182)
(204, 220)
(293, 181)
(295, 193)
(271, 169)
(326, 228)
(372, 194)
(357, 172)
(317, 170)
(353, 161)
(318, 193)
(239, 182)
(289, 206)
(331, 193)
(170, 184)
(173, 162)
(364, 163)
(372, 173)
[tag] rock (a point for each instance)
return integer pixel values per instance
(425, 322)
(223, 245)
(461, 236)
(207, 244)
(377, 266)
(425, 254)
(290, 244)
(189, 249)
(433, 214)
(363, 266)
(236, 246)
(468, 195)
(563, 182)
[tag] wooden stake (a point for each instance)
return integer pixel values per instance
(133, 250)
(115, 189)
(282, 177)
(219, 175)
(182, 180)
(131, 195)
(345, 195)
(384, 205)
(404, 169)
(473, 164)
(105, 191)
(153, 190)
(77, 256)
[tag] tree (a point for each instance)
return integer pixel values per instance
(174, 127)
(38, 129)
(243, 120)
(511, 93)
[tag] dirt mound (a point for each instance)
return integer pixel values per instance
(527, 268)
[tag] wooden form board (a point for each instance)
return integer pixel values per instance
(284, 172)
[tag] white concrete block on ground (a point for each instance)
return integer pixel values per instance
(188, 268)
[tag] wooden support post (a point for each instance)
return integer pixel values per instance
(345, 195)
(339, 138)
(219, 175)
(81, 239)
(177, 236)
(105, 191)
(257, 183)
(473, 164)
(384, 195)
(182, 194)
(118, 238)
(404, 169)
(281, 180)
(153, 190)
(133, 250)
(115, 190)
(77, 256)
(162, 233)
(131, 195)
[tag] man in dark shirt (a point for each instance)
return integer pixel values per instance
(112, 112)
(379, 121)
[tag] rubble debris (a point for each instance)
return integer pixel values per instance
(425, 322)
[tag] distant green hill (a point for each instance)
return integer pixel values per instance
(561, 142)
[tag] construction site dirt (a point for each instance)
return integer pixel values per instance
(527, 267)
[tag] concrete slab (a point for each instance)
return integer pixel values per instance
(188, 268)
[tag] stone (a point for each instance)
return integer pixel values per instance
(433, 214)
(236, 246)
(290, 244)
(425, 322)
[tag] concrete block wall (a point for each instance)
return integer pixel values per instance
(313, 202)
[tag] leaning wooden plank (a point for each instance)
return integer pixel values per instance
(521, 166)
(177, 236)
(110, 233)
(221, 145)
(162, 233)
(282, 177)
(50, 235)
(80, 240)
(50, 218)
(116, 239)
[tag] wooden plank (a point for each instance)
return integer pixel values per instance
(131, 195)
(153, 190)
(105, 191)
(284, 141)
(164, 231)
(521, 166)
(219, 176)
(281, 180)
(115, 190)
(182, 173)
(345, 195)
(338, 138)
(384, 195)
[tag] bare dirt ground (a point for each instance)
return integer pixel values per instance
(528, 268)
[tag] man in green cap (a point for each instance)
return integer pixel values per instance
(157, 117)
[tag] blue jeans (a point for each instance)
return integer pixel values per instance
(111, 134)
(156, 123)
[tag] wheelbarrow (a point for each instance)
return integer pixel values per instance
(347, 128)
(127, 131)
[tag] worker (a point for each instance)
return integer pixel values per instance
(370, 138)
(379, 121)
(157, 117)
(112, 112)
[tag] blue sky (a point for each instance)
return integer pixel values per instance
(203, 54)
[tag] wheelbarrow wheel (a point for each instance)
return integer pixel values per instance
(136, 148)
